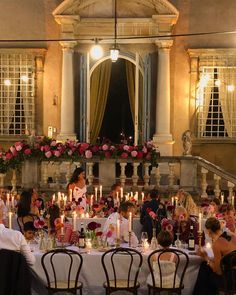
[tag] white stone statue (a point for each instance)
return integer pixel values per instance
(187, 142)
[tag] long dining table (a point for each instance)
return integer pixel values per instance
(92, 274)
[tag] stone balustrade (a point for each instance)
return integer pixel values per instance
(190, 173)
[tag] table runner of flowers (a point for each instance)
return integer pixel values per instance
(46, 149)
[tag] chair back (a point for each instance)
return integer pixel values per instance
(168, 274)
(228, 267)
(122, 265)
(15, 275)
(62, 265)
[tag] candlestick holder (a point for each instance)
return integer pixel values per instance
(199, 239)
(129, 238)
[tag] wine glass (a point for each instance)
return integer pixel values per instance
(144, 237)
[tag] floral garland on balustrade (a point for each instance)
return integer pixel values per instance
(46, 149)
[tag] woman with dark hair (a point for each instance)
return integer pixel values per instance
(26, 210)
(26, 206)
(78, 188)
(209, 277)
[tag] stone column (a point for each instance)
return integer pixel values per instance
(163, 137)
(67, 93)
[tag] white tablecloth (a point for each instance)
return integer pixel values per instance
(92, 274)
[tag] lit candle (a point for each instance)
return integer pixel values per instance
(118, 229)
(142, 194)
(91, 201)
(13, 202)
(53, 198)
(70, 195)
(208, 245)
(131, 194)
(10, 220)
(127, 197)
(96, 194)
(82, 215)
(146, 245)
(121, 193)
(200, 222)
(62, 222)
(87, 215)
(172, 201)
(100, 191)
(136, 196)
(232, 200)
(130, 221)
(74, 221)
(222, 198)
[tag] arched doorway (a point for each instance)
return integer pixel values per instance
(117, 89)
(117, 122)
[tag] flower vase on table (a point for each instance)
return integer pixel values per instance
(154, 242)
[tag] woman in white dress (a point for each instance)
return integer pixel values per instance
(78, 187)
(167, 263)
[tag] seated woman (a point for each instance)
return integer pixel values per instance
(186, 200)
(167, 263)
(182, 224)
(78, 187)
(209, 277)
(26, 209)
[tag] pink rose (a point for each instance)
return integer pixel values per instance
(109, 234)
(95, 148)
(57, 153)
(9, 156)
(144, 150)
(112, 147)
(27, 151)
(88, 154)
(48, 154)
(53, 143)
(70, 152)
(18, 146)
(12, 149)
(126, 147)
(139, 155)
(148, 156)
(105, 147)
(46, 148)
(134, 154)
(124, 155)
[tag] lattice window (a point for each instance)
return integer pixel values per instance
(216, 98)
(17, 93)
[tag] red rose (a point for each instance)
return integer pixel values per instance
(124, 155)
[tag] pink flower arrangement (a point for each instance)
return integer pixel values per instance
(51, 150)
(39, 223)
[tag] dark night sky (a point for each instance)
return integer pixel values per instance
(117, 115)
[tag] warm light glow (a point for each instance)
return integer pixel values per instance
(96, 52)
(217, 83)
(230, 88)
(7, 82)
(114, 54)
(24, 78)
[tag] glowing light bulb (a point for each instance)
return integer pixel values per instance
(24, 78)
(230, 88)
(7, 82)
(114, 54)
(96, 52)
(217, 83)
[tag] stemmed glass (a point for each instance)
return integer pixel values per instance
(144, 237)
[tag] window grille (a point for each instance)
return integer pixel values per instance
(216, 99)
(17, 93)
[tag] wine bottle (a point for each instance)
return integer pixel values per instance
(191, 240)
(82, 237)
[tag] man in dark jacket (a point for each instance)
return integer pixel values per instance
(158, 208)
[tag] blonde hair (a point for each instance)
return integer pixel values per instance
(188, 203)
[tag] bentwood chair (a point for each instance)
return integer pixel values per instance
(166, 276)
(121, 267)
(228, 267)
(71, 262)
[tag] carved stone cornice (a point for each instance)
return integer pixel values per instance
(164, 44)
(68, 45)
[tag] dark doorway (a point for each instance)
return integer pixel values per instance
(117, 122)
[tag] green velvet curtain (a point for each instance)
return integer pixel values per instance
(99, 87)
